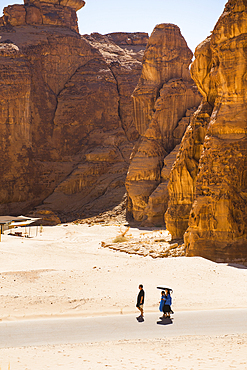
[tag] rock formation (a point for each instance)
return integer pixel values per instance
(164, 99)
(65, 111)
(43, 12)
(208, 184)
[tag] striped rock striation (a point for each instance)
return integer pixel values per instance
(65, 112)
(208, 183)
(164, 100)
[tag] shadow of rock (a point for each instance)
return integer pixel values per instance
(237, 266)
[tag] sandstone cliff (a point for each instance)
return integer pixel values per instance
(164, 99)
(65, 111)
(208, 185)
(43, 12)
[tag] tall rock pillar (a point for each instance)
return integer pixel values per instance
(163, 101)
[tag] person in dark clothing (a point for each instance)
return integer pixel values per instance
(140, 299)
(167, 304)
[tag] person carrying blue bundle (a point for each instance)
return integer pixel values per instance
(167, 304)
(162, 301)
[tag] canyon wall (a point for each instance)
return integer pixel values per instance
(65, 111)
(208, 183)
(164, 100)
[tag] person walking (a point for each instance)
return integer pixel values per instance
(140, 300)
(167, 304)
(162, 301)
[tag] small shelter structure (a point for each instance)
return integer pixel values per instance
(8, 222)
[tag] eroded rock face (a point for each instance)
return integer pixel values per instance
(208, 187)
(164, 99)
(166, 57)
(45, 12)
(183, 176)
(122, 60)
(65, 116)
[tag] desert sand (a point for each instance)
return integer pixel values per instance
(65, 271)
(223, 352)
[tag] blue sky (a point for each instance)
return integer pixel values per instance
(196, 18)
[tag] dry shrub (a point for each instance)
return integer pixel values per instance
(120, 239)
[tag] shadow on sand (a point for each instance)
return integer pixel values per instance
(140, 318)
(165, 321)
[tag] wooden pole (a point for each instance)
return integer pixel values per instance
(1, 232)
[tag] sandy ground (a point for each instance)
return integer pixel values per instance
(65, 271)
(223, 352)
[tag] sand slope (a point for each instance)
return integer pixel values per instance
(65, 271)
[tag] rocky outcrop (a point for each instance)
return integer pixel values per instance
(158, 200)
(43, 12)
(183, 176)
(164, 100)
(65, 114)
(122, 61)
(208, 186)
